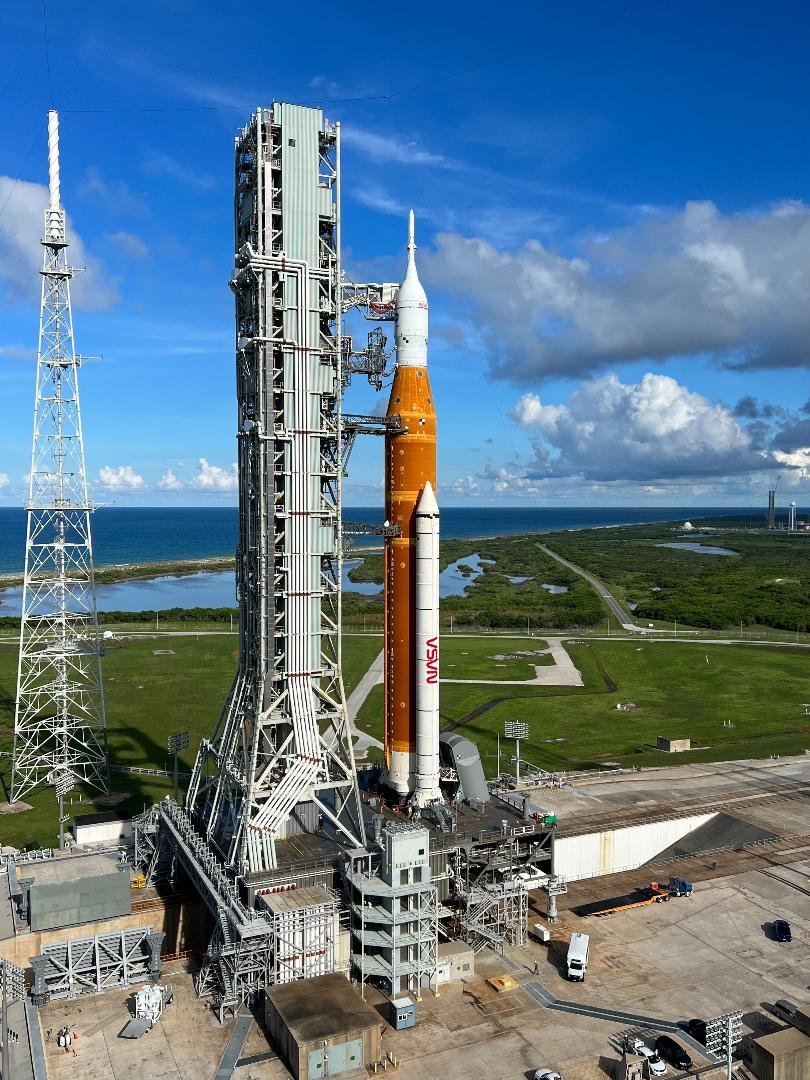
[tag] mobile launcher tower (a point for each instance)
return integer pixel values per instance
(275, 834)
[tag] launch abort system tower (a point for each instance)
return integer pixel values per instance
(280, 759)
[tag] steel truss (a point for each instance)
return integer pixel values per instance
(490, 877)
(238, 962)
(282, 748)
(59, 717)
(93, 965)
(496, 916)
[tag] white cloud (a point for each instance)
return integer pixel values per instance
(465, 485)
(386, 149)
(128, 244)
(797, 459)
(114, 196)
(159, 163)
(652, 430)
(18, 352)
(681, 284)
(376, 198)
(120, 478)
(213, 478)
(170, 482)
(4, 480)
(21, 251)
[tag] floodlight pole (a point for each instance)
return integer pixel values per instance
(177, 742)
(4, 1022)
(728, 1047)
(517, 760)
(61, 795)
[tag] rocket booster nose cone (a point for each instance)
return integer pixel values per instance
(427, 505)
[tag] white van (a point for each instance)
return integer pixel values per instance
(578, 957)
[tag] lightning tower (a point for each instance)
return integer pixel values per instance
(280, 760)
(59, 720)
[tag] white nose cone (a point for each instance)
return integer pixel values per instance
(412, 312)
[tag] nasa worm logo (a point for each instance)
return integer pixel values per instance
(432, 660)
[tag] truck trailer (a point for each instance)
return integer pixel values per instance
(654, 893)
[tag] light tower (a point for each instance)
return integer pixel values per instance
(59, 721)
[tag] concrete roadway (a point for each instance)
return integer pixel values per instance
(613, 604)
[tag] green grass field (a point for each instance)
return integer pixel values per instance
(148, 696)
(759, 689)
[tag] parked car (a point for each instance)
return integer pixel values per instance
(785, 1010)
(657, 1066)
(547, 1074)
(781, 930)
(673, 1052)
(696, 1028)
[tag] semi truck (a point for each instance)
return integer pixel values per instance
(654, 893)
(578, 957)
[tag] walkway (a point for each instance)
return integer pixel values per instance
(563, 672)
(637, 1021)
(373, 677)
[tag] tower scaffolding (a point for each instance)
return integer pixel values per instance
(280, 759)
(59, 718)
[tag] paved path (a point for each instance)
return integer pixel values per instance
(548, 1000)
(373, 677)
(563, 672)
(613, 604)
(233, 1051)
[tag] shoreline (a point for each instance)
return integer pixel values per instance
(123, 572)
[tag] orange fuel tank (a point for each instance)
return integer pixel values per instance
(410, 463)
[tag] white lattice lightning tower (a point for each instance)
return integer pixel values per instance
(59, 720)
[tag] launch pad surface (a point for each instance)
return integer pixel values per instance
(689, 958)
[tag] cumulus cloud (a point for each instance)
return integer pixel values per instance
(120, 478)
(652, 430)
(21, 251)
(4, 480)
(213, 478)
(683, 284)
(170, 482)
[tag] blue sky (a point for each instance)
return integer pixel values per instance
(613, 228)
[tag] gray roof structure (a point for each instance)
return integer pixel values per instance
(322, 1008)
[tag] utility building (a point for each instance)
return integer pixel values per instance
(322, 1027)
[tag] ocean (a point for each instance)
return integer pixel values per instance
(167, 534)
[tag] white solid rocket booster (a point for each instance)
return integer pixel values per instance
(427, 648)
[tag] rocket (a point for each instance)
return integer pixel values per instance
(412, 557)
